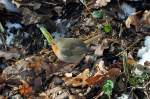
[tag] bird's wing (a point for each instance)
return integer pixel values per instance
(71, 46)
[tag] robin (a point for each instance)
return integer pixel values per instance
(70, 50)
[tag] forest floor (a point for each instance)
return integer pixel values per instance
(116, 66)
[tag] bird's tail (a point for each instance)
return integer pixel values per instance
(47, 35)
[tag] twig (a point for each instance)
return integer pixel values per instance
(130, 46)
(146, 84)
(99, 95)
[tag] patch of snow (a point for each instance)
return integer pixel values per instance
(128, 10)
(123, 96)
(10, 36)
(144, 52)
(9, 6)
(10, 25)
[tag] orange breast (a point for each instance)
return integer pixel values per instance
(54, 48)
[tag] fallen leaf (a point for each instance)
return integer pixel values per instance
(51, 93)
(131, 61)
(35, 63)
(25, 89)
(100, 48)
(99, 78)
(37, 84)
(9, 55)
(100, 67)
(113, 73)
(133, 20)
(79, 80)
(95, 79)
(146, 17)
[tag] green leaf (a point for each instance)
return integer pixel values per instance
(108, 87)
(97, 14)
(107, 28)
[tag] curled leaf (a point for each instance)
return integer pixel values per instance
(133, 20)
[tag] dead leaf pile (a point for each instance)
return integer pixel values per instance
(137, 22)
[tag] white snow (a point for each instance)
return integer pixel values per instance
(144, 52)
(123, 96)
(10, 36)
(128, 10)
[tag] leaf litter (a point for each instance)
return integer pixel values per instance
(30, 69)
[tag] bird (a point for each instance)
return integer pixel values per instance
(69, 50)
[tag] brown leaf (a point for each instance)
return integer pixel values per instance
(79, 80)
(35, 63)
(99, 79)
(117, 64)
(37, 84)
(132, 20)
(146, 17)
(25, 89)
(95, 79)
(114, 72)
(100, 49)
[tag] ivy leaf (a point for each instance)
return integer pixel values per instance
(108, 87)
(107, 28)
(97, 14)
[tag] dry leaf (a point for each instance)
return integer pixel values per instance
(131, 61)
(117, 64)
(146, 17)
(99, 50)
(132, 20)
(100, 67)
(9, 55)
(37, 84)
(25, 89)
(35, 62)
(113, 73)
(95, 79)
(99, 79)
(101, 3)
(79, 80)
